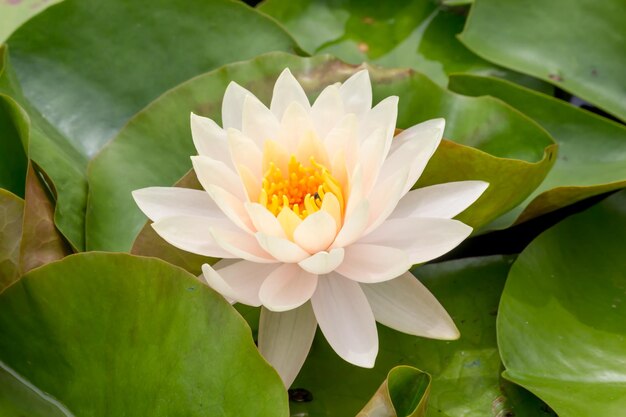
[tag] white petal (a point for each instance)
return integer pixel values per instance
(373, 263)
(327, 111)
(209, 139)
(316, 232)
(295, 126)
(353, 226)
(259, 123)
(371, 156)
(413, 148)
(245, 152)
(441, 200)
(193, 234)
(213, 172)
(287, 90)
(241, 245)
(346, 319)
(356, 93)
(323, 262)
(384, 198)
(423, 239)
(287, 287)
(406, 305)
(281, 249)
(232, 105)
(285, 339)
(343, 139)
(160, 202)
(232, 207)
(384, 116)
(264, 221)
(239, 281)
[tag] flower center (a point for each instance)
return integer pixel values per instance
(302, 188)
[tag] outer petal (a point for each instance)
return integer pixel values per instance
(346, 319)
(211, 172)
(287, 287)
(372, 263)
(356, 93)
(241, 245)
(384, 198)
(383, 116)
(209, 139)
(286, 91)
(258, 122)
(413, 148)
(193, 234)
(232, 105)
(161, 202)
(422, 239)
(281, 249)
(327, 111)
(441, 200)
(316, 232)
(406, 305)
(323, 262)
(285, 339)
(239, 280)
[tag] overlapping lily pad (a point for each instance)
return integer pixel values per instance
(13, 13)
(561, 327)
(86, 66)
(113, 334)
(512, 153)
(576, 46)
(465, 373)
(416, 34)
(592, 149)
(11, 211)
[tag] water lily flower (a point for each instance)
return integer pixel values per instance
(311, 210)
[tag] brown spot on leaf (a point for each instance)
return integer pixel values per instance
(363, 47)
(368, 20)
(555, 77)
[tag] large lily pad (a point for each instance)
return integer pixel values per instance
(561, 327)
(465, 373)
(416, 34)
(92, 328)
(576, 46)
(154, 147)
(13, 13)
(592, 149)
(11, 212)
(88, 65)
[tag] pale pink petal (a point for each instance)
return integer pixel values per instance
(281, 249)
(406, 305)
(342, 140)
(264, 221)
(160, 202)
(213, 172)
(245, 152)
(232, 105)
(241, 245)
(259, 123)
(383, 116)
(346, 319)
(287, 90)
(371, 156)
(412, 149)
(285, 339)
(323, 262)
(287, 287)
(373, 263)
(239, 281)
(209, 139)
(294, 126)
(354, 225)
(327, 111)
(232, 207)
(316, 232)
(356, 93)
(422, 238)
(193, 234)
(441, 200)
(384, 198)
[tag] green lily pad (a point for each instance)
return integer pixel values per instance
(592, 149)
(403, 394)
(11, 212)
(88, 66)
(561, 327)
(416, 34)
(465, 373)
(578, 46)
(92, 328)
(13, 13)
(41, 241)
(520, 153)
